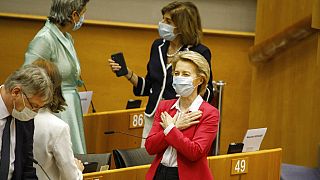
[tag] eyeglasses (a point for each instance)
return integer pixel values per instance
(33, 107)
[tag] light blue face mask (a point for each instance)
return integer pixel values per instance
(78, 24)
(183, 85)
(166, 31)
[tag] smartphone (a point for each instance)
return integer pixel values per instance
(118, 58)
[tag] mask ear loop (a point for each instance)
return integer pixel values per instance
(14, 104)
(23, 99)
(201, 79)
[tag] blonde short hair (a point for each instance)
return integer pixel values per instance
(202, 66)
(186, 17)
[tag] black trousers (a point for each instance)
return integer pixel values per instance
(166, 173)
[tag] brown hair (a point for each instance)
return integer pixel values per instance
(186, 17)
(58, 102)
(202, 66)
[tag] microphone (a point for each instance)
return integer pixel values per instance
(128, 134)
(93, 109)
(37, 163)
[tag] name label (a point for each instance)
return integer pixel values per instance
(239, 166)
(136, 120)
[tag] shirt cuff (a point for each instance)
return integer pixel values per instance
(168, 129)
(80, 174)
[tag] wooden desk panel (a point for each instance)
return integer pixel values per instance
(262, 165)
(96, 124)
(137, 172)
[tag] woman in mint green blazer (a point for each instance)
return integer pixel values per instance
(54, 43)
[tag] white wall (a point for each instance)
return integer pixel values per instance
(234, 15)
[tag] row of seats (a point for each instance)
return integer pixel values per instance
(122, 158)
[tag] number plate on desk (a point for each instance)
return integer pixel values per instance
(239, 166)
(136, 120)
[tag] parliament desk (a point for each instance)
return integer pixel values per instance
(128, 121)
(259, 165)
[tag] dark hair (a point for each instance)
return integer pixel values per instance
(186, 17)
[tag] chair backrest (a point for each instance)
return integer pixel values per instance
(101, 159)
(131, 157)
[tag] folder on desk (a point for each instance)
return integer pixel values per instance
(85, 98)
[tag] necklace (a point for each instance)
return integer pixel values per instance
(173, 54)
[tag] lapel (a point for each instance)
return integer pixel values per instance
(189, 132)
(163, 48)
(65, 42)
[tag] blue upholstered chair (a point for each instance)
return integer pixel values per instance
(294, 172)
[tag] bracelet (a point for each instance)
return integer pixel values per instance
(130, 76)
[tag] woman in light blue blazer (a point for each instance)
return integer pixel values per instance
(54, 43)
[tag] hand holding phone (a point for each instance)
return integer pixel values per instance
(119, 58)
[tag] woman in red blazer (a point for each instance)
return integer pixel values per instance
(184, 128)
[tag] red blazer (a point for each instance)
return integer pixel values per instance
(192, 144)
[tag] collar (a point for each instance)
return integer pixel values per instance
(183, 48)
(58, 33)
(195, 105)
(66, 41)
(3, 109)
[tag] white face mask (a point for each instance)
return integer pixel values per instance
(166, 31)
(183, 85)
(25, 115)
(78, 24)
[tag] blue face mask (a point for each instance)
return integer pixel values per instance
(183, 85)
(166, 31)
(78, 24)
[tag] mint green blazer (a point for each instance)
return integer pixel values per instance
(52, 45)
